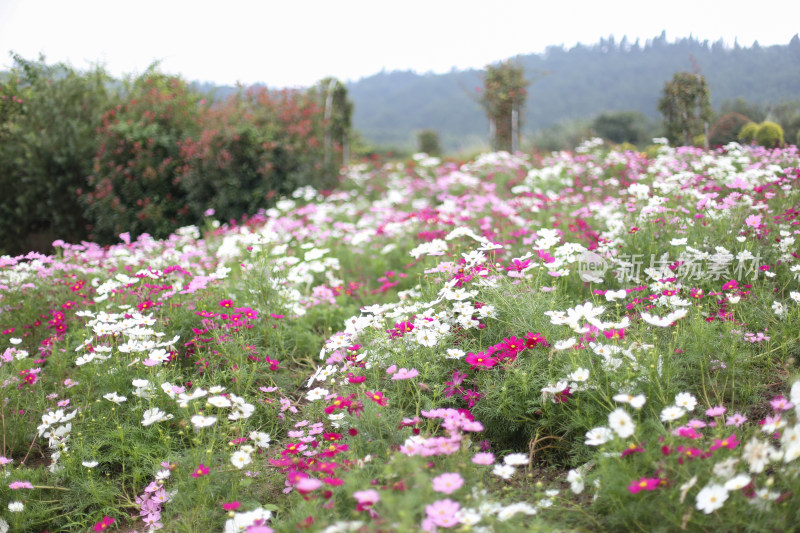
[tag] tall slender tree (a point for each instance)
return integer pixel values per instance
(686, 106)
(503, 98)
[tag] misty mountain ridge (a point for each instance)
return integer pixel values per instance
(568, 84)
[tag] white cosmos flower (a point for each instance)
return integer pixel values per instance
(790, 443)
(580, 375)
(426, 337)
(621, 422)
(261, 439)
(664, 321)
(219, 401)
(738, 482)
(114, 397)
(634, 401)
(686, 400)
(200, 421)
(90, 464)
(241, 459)
(504, 471)
(575, 480)
(516, 459)
(668, 414)
(455, 353)
(316, 394)
(711, 497)
(151, 416)
(598, 436)
(16, 507)
(615, 295)
(565, 344)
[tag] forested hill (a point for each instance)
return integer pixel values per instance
(566, 84)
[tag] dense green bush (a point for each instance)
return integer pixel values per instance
(769, 134)
(748, 132)
(622, 126)
(134, 186)
(48, 120)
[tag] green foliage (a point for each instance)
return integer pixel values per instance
(622, 126)
(503, 98)
(769, 135)
(748, 132)
(685, 106)
(726, 129)
(134, 183)
(48, 118)
(428, 142)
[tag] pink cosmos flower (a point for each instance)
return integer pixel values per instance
(231, 506)
(483, 458)
(736, 419)
(404, 373)
(15, 485)
(448, 483)
(716, 411)
(366, 498)
(443, 512)
(779, 403)
(306, 485)
(754, 221)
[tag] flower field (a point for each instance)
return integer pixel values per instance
(591, 341)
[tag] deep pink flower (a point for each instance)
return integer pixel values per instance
(632, 448)
(729, 443)
(645, 483)
(377, 397)
(201, 470)
(103, 524)
(480, 360)
(231, 506)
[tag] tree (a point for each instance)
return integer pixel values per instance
(428, 142)
(338, 111)
(685, 106)
(503, 99)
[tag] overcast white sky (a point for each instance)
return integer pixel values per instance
(289, 42)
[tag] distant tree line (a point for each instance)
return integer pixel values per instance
(85, 156)
(572, 87)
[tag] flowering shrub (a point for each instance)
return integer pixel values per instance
(594, 341)
(135, 186)
(256, 147)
